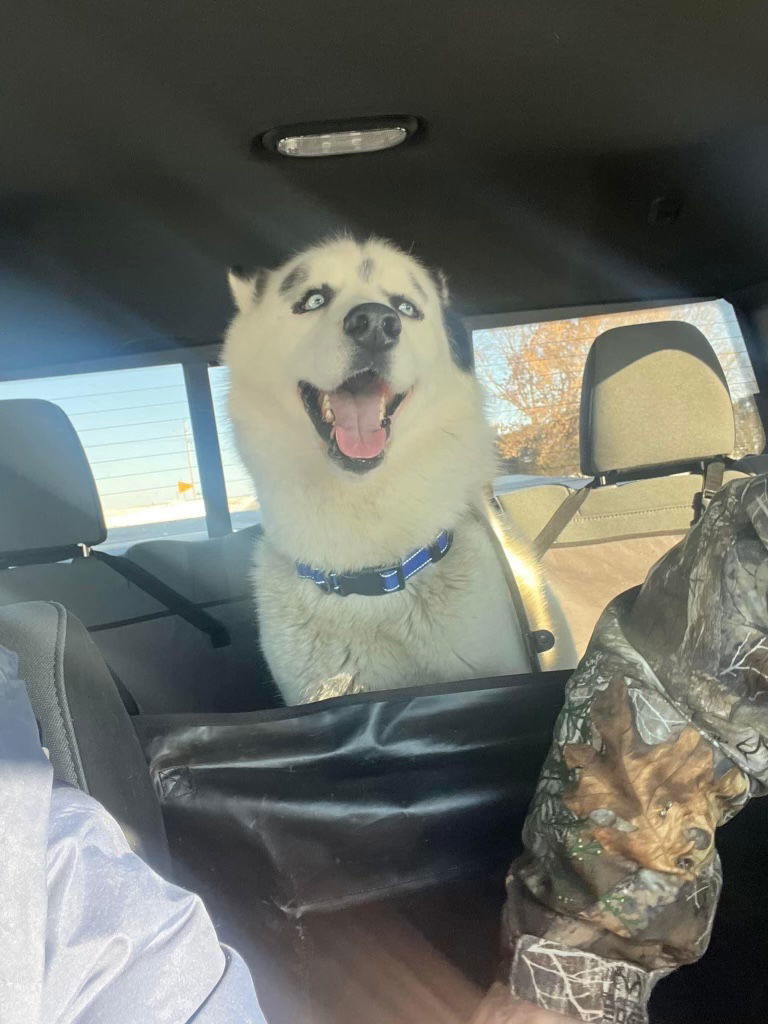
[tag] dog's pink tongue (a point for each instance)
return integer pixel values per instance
(359, 433)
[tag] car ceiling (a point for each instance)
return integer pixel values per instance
(127, 185)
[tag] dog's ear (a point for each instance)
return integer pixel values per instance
(440, 281)
(246, 289)
(459, 339)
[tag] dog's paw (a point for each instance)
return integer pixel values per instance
(337, 686)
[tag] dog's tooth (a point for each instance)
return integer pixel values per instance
(326, 409)
(382, 409)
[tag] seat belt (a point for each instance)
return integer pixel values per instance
(564, 513)
(167, 596)
(713, 481)
(561, 517)
(537, 641)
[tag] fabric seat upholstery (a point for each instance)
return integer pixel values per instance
(655, 409)
(51, 516)
(84, 725)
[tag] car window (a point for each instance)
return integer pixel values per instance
(135, 423)
(532, 372)
(135, 428)
(241, 496)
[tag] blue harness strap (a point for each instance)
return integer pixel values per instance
(377, 581)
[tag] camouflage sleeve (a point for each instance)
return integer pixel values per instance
(662, 738)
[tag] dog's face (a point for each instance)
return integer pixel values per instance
(346, 345)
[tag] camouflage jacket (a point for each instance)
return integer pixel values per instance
(663, 737)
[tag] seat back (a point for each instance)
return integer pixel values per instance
(83, 722)
(161, 640)
(50, 504)
(655, 411)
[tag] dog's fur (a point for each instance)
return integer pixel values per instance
(455, 620)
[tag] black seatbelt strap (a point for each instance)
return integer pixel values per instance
(168, 597)
(563, 514)
(126, 696)
(713, 481)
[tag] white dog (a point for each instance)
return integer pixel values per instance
(363, 428)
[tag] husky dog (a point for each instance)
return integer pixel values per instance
(362, 425)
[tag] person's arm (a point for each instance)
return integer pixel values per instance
(90, 934)
(122, 944)
(660, 741)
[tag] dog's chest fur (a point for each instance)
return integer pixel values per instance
(455, 620)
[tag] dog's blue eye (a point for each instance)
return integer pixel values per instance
(407, 309)
(314, 301)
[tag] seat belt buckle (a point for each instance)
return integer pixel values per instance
(713, 482)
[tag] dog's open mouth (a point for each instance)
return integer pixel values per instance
(355, 420)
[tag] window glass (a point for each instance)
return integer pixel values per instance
(533, 376)
(243, 503)
(135, 428)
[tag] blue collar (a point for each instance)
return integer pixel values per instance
(373, 582)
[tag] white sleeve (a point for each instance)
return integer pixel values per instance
(123, 945)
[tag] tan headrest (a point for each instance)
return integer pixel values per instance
(48, 498)
(653, 395)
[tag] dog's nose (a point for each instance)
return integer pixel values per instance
(373, 326)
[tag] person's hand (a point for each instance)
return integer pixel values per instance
(499, 1007)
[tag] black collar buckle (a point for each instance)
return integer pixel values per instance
(332, 585)
(400, 577)
(436, 553)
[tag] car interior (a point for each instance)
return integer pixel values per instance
(564, 163)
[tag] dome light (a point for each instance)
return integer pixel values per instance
(341, 138)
